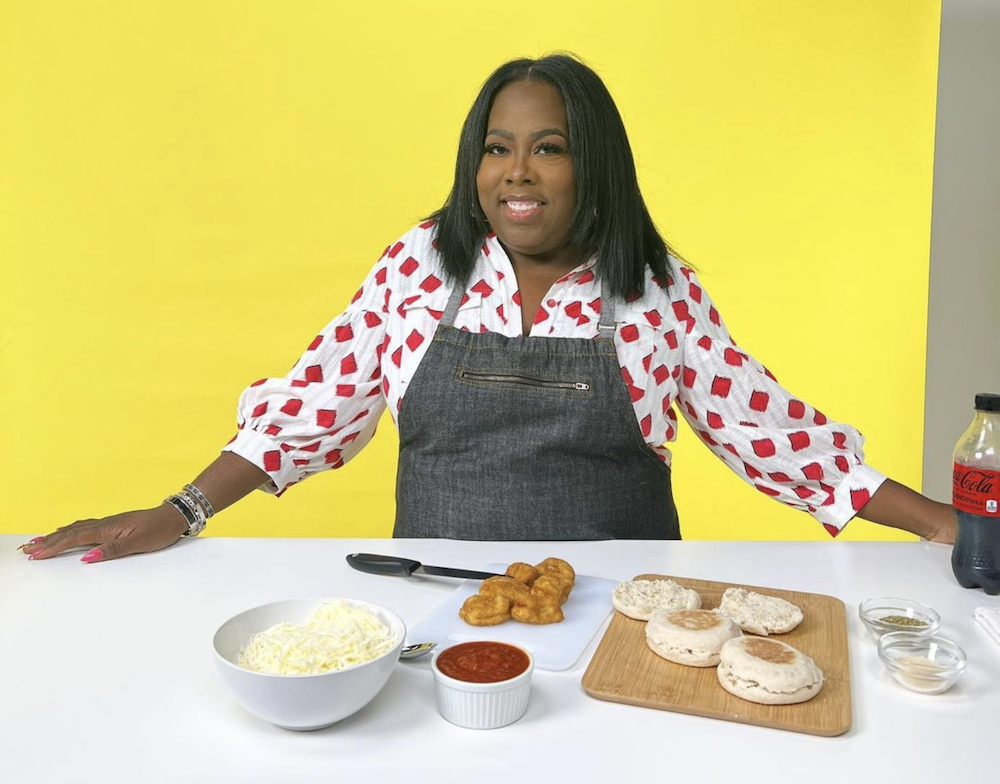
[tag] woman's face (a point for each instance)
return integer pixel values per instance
(525, 179)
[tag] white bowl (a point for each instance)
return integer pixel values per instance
(302, 702)
(482, 706)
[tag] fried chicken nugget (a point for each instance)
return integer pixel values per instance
(522, 572)
(529, 594)
(490, 610)
(552, 589)
(537, 610)
(559, 567)
(557, 579)
(503, 586)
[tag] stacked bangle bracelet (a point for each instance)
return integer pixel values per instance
(195, 507)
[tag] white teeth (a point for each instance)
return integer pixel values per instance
(522, 206)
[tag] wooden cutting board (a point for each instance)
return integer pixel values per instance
(624, 669)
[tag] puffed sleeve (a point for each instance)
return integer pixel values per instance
(327, 408)
(778, 443)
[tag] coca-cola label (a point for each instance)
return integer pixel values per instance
(976, 490)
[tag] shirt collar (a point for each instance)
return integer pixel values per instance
(492, 245)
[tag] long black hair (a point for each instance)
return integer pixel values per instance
(611, 221)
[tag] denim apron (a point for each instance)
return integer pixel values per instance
(526, 438)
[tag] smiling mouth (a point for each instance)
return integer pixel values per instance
(521, 209)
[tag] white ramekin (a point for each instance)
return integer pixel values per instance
(483, 706)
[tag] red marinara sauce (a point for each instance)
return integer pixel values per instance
(482, 662)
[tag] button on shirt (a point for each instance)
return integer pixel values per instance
(673, 347)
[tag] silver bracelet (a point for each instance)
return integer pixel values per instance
(206, 505)
(187, 506)
(199, 514)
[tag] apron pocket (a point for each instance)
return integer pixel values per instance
(520, 382)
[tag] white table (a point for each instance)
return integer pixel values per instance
(108, 676)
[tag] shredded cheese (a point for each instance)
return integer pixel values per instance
(336, 635)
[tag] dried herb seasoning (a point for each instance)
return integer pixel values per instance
(902, 620)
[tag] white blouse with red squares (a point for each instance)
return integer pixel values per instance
(674, 350)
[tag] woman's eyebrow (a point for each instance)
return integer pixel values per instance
(547, 132)
(534, 137)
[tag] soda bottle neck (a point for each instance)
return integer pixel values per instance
(980, 444)
(986, 418)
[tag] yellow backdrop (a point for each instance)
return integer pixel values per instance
(190, 190)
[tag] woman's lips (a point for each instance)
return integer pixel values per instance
(521, 209)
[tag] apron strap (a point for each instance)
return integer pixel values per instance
(451, 309)
(605, 328)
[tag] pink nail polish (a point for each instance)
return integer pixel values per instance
(92, 555)
(34, 541)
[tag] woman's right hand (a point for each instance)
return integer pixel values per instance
(141, 531)
(224, 482)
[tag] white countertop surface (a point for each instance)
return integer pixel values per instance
(108, 675)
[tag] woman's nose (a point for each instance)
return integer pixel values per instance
(520, 168)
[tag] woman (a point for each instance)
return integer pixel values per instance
(540, 332)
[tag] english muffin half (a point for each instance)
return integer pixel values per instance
(691, 637)
(768, 672)
(639, 599)
(759, 614)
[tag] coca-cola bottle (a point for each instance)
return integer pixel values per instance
(976, 498)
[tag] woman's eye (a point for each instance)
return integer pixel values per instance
(550, 148)
(495, 149)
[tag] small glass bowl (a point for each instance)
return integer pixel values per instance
(923, 663)
(891, 614)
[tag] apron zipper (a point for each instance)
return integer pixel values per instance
(527, 381)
